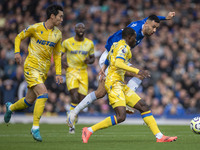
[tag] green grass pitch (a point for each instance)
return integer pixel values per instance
(120, 137)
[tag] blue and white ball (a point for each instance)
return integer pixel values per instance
(195, 125)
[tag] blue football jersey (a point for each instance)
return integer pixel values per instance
(137, 26)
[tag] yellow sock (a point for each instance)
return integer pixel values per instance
(72, 106)
(39, 108)
(109, 121)
(20, 104)
(150, 121)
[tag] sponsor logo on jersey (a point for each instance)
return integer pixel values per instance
(43, 42)
(79, 52)
(124, 50)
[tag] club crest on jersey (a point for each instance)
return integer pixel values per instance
(43, 42)
(138, 41)
(124, 50)
(133, 25)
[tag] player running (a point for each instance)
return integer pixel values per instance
(45, 39)
(120, 94)
(145, 27)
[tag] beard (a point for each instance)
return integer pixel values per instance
(80, 34)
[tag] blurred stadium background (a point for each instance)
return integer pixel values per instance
(172, 55)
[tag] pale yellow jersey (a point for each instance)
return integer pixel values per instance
(43, 42)
(77, 51)
(119, 50)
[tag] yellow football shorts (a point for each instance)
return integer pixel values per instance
(34, 77)
(120, 94)
(77, 78)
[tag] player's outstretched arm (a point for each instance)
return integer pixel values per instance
(120, 64)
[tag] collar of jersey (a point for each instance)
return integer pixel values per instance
(46, 27)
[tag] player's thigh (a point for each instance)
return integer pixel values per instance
(101, 91)
(116, 97)
(103, 58)
(34, 77)
(83, 82)
(72, 79)
(131, 97)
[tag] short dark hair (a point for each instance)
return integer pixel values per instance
(154, 18)
(128, 31)
(53, 9)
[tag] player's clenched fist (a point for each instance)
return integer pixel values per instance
(170, 15)
(144, 73)
(18, 58)
(59, 79)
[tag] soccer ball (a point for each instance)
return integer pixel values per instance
(195, 125)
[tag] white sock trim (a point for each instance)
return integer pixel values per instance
(9, 108)
(35, 127)
(159, 135)
(90, 129)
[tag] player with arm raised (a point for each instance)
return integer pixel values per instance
(120, 94)
(45, 40)
(145, 27)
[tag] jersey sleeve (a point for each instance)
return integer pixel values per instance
(64, 45)
(91, 52)
(161, 17)
(122, 52)
(120, 64)
(57, 57)
(22, 35)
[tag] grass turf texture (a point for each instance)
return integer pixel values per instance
(120, 137)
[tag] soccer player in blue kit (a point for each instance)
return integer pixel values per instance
(145, 27)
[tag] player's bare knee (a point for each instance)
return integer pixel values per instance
(100, 93)
(121, 118)
(142, 106)
(75, 96)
